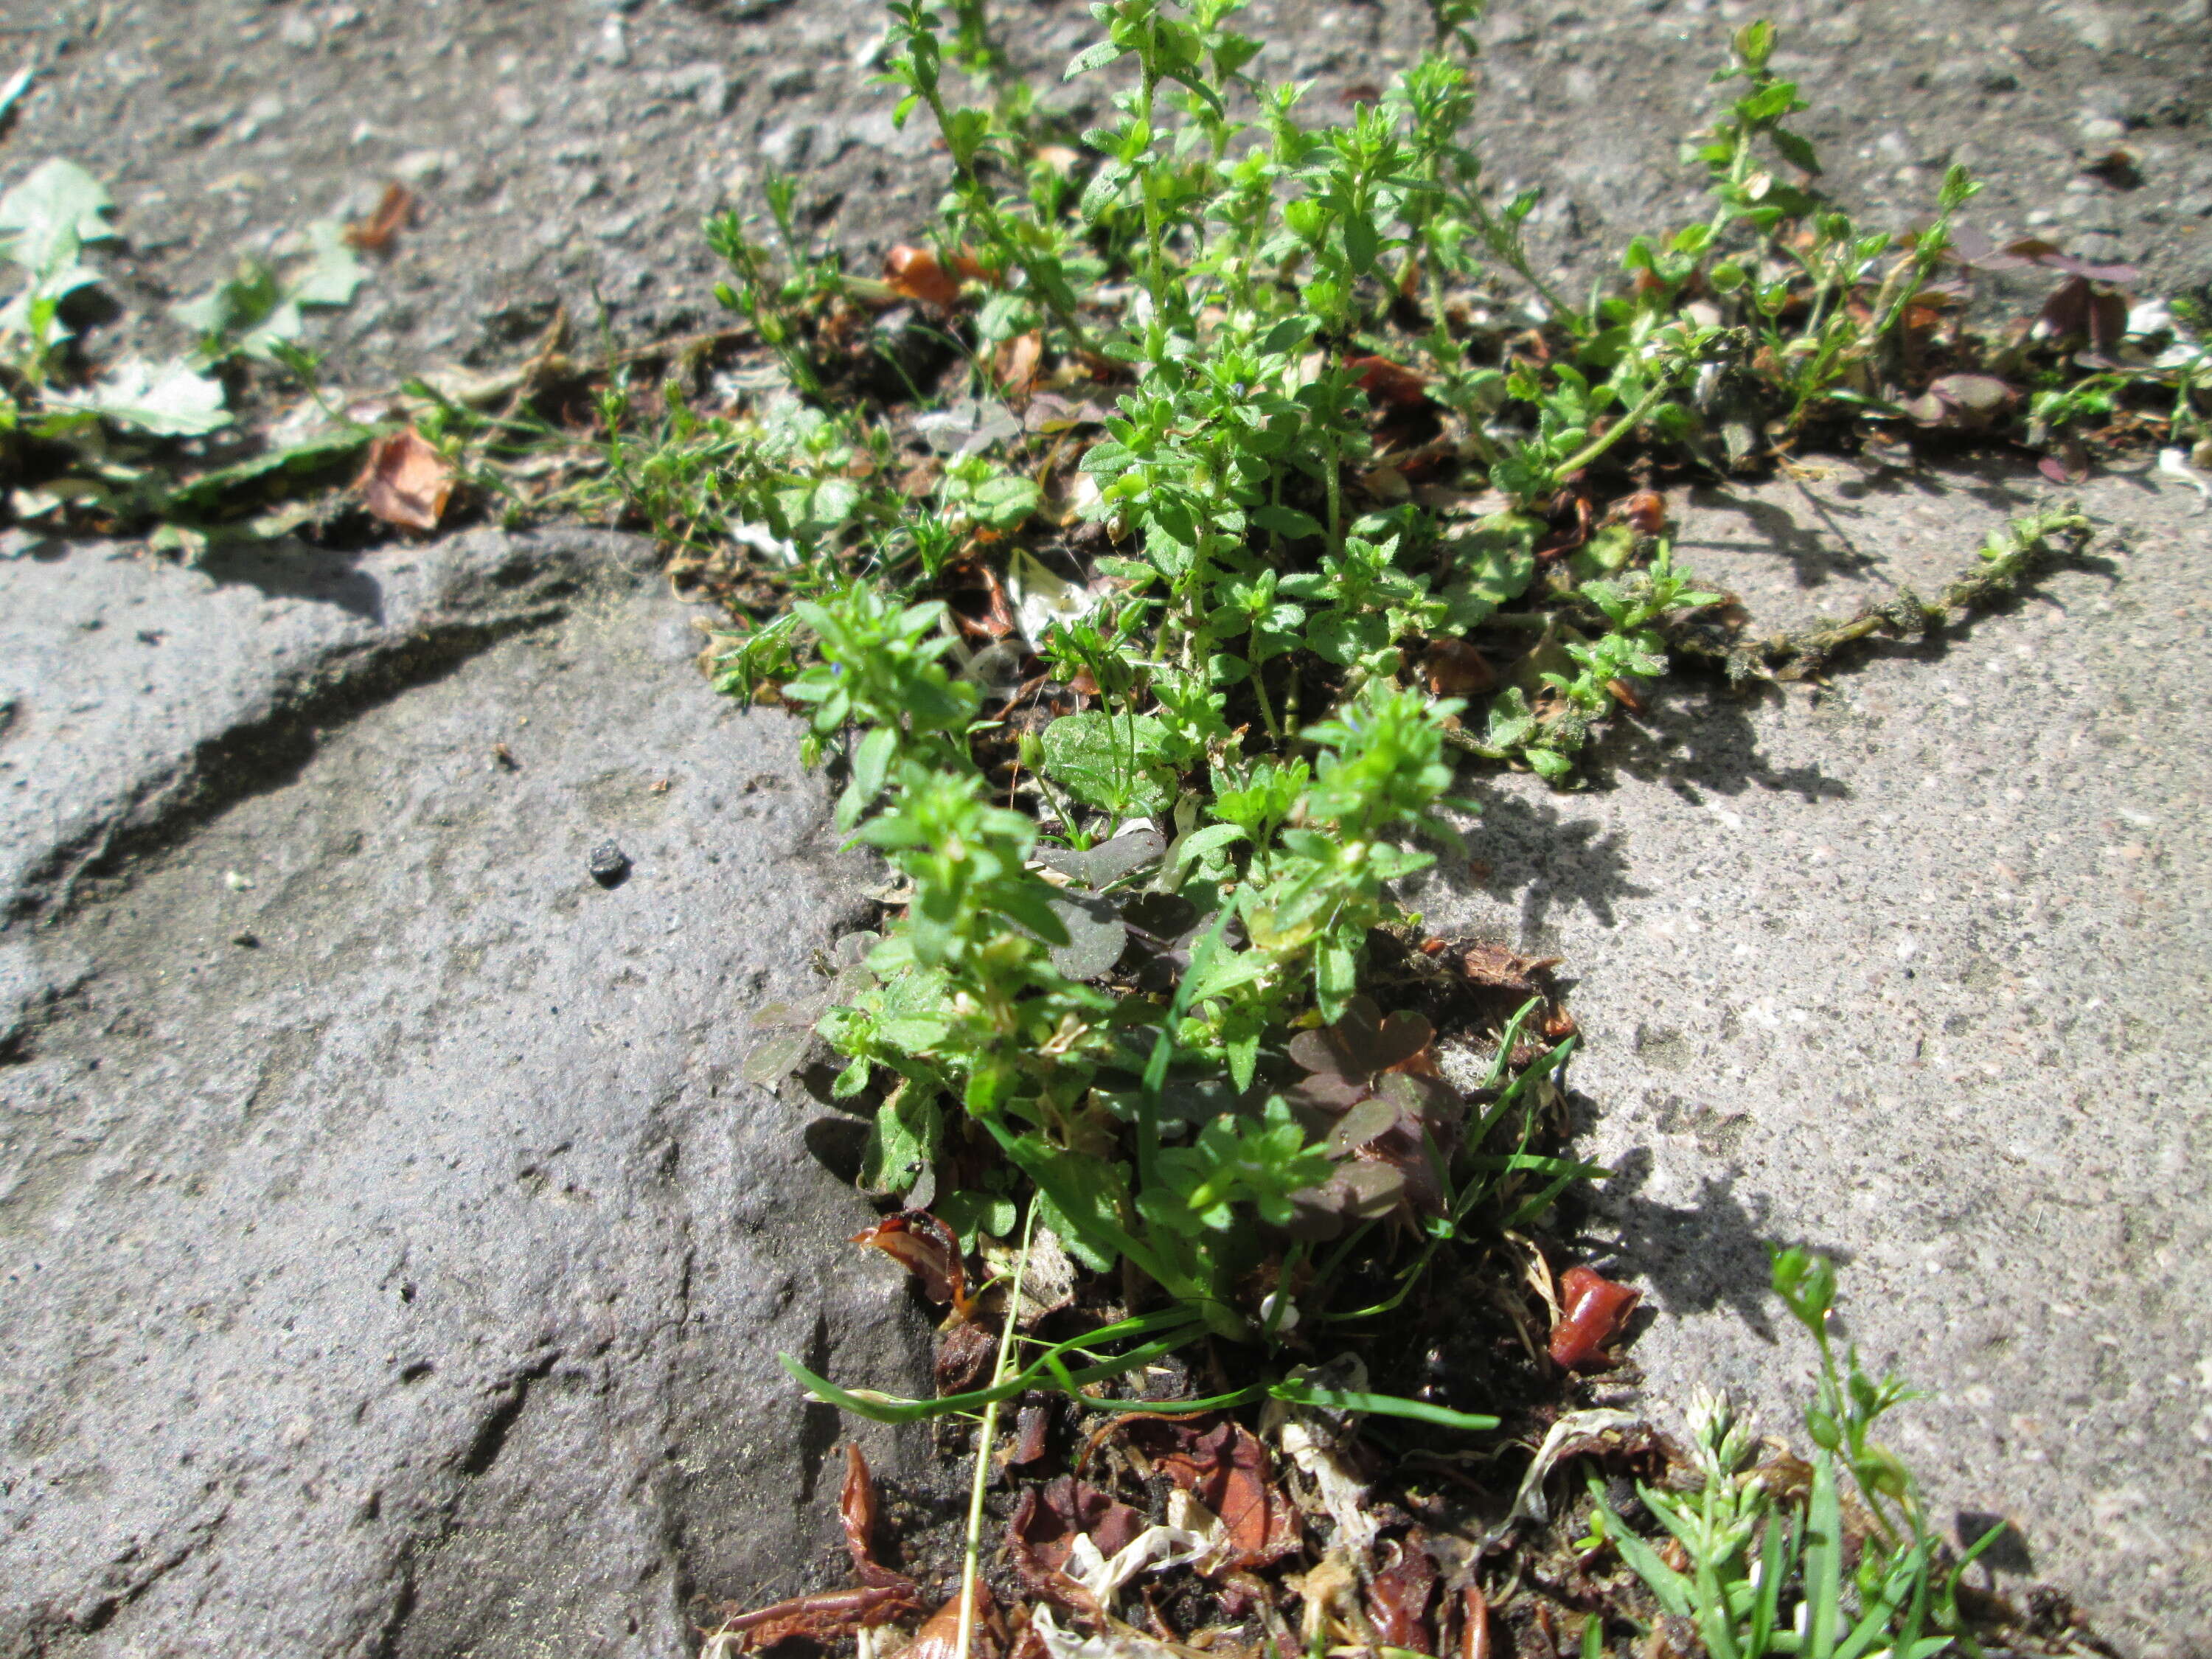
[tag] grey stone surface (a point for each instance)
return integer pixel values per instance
(1912, 967)
(393, 1264)
(564, 152)
(136, 690)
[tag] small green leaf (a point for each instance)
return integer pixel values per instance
(53, 210)
(333, 271)
(1287, 521)
(901, 1143)
(1113, 762)
(1091, 57)
(167, 400)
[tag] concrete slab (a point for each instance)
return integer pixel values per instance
(392, 1261)
(1912, 967)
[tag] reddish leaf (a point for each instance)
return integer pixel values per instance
(1474, 1636)
(1051, 1517)
(1454, 668)
(926, 1247)
(394, 212)
(1498, 968)
(1398, 1602)
(1227, 1468)
(968, 577)
(1595, 1310)
(914, 273)
(940, 1638)
(856, 1508)
(1031, 1429)
(1645, 512)
(406, 481)
(966, 1353)
(2070, 466)
(819, 1617)
(1043, 1532)
(1390, 383)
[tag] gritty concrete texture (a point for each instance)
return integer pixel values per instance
(393, 1263)
(1911, 969)
(1905, 971)
(133, 689)
(563, 151)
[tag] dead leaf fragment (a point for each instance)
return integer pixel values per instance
(1454, 668)
(1398, 1599)
(406, 481)
(1222, 1464)
(939, 1639)
(1498, 967)
(856, 1510)
(1594, 1311)
(395, 211)
(926, 1247)
(818, 1618)
(1390, 383)
(916, 274)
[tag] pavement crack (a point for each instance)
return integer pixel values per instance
(262, 753)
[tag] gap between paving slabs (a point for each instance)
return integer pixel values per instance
(1324, 472)
(973, 1026)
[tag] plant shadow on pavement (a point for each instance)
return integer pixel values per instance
(295, 571)
(1697, 1256)
(1815, 558)
(1706, 739)
(1551, 859)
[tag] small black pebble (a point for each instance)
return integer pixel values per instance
(245, 941)
(609, 865)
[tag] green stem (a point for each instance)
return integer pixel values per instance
(1620, 429)
(971, 1557)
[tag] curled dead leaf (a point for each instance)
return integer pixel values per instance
(406, 481)
(916, 274)
(818, 1618)
(1645, 512)
(1390, 383)
(1017, 362)
(1397, 1597)
(856, 1511)
(1222, 1464)
(1595, 1310)
(1453, 668)
(926, 1247)
(394, 212)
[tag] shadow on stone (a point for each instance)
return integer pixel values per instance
(1816, 557)
(1697, 1256)
(1535, 849)
(1705, 739)
(293, 570)
(2009, 1554)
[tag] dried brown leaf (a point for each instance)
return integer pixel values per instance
(406, 481)
(395, 211)
(915, 273)
(1398, 1599)
(1222, 1464)
(927, 1248)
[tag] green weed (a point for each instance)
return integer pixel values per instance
(123, 447)
(1204, 553)
(1823, 1569)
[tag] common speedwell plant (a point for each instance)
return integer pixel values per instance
(1231, 597)
(1250, 474)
